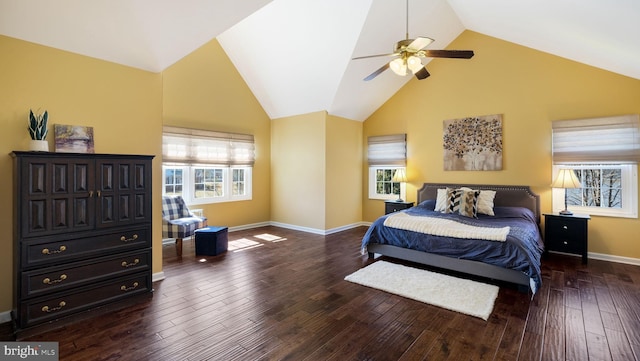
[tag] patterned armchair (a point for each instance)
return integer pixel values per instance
(178, 222)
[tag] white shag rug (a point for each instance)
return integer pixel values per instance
(456, 294)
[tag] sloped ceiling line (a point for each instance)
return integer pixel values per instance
(295, 55)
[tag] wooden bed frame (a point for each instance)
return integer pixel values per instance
(514, 196)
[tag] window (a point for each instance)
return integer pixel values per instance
(607, 190)
(603, 153)
(173, 181)
(207, 167)
(386, 154)
(382, 186)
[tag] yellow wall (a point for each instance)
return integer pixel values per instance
(343, 175)
(122, 104)
(298, 170)
(530, 89)
(316, 161)
(205, 91)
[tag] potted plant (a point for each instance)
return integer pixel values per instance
(38, 131)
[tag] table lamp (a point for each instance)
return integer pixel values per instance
(399, 177)
(566, 179)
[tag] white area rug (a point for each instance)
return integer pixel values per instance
(456, 294)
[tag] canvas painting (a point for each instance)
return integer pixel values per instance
(473, 143)
(73, 139)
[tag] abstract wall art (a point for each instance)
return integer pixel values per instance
(473, 143)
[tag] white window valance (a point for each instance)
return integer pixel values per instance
(194, 146)
(388, 150)
(600, 140)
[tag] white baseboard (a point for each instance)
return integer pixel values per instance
(613, 258)
(344, 228)
(158, 276)
(249, 226)
(288, 226)
(322, 232)
(297, 228)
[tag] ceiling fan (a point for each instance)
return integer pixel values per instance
(408, 55)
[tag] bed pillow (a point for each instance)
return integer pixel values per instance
(485, 201)
(441, 200)
(463, 202)
(469, 204)
(452, 200)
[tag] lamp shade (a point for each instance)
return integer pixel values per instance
(414, 64)
(566, 178)
(399, 66)
(399, 175)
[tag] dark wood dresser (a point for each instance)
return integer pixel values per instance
(82, 233)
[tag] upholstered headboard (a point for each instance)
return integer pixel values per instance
(506, 195)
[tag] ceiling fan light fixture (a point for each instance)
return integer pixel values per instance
(399, 66)
(414, 63)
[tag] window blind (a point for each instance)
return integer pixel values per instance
(387, 150)
(611, 139)
(193, 146)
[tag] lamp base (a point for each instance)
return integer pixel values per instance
(399, 200)
(566, 212)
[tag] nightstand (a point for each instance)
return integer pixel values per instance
(567, 234)
(393, 206)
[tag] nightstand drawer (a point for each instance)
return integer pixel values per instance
(564, 229)
(566, 245)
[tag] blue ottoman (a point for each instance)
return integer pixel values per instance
(211, 241)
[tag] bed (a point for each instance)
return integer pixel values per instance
(514, 257)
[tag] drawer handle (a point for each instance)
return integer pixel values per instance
(125, 239)
(53, 309)
(48, 281)
(565, 227)
(127, 265)
(127, 289)
(59, 250)
(565, 242)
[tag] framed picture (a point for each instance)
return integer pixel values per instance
(473, 143)
(73, 139)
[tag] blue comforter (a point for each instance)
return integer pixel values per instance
(521, 251)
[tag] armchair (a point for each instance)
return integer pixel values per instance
(178, 222)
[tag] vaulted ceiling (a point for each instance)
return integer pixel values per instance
(295, 55)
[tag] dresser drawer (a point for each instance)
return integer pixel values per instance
(42, 309)
(52, 279)
(36, 253)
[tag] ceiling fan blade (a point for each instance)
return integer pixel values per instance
(422, 73)
(458, 54)
(375, 56)
(419, 43)
(377, 72)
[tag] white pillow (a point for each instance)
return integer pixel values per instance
(441, 200)
(485, 201)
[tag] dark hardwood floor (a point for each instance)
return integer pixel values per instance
(281, 296)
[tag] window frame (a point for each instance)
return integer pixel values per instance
(188, 183)
(629, 185)
(373, 194)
